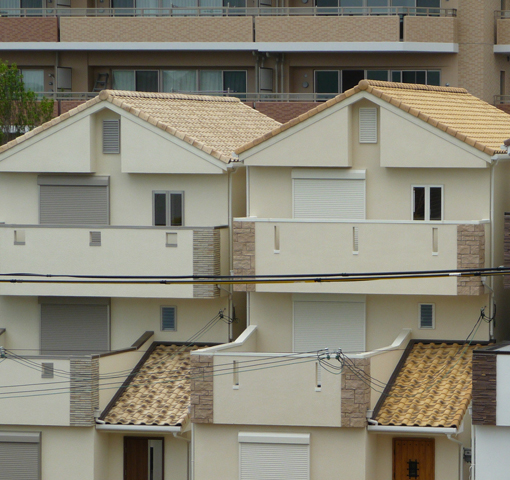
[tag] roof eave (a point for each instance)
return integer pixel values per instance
(105, 427)
(413, 430)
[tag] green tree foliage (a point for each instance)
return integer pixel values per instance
(20, 109)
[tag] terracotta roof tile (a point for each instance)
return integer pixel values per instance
(211, 124)
(452, 110)
(432, 388)
(159, 392)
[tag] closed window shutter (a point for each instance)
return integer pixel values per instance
(73, 205)
(74, 329)
(111, 136)
(19, 461)
(329, 198)
(367, 125)
(270, 461)
(426, 315)
(168, 318)
(334, 325)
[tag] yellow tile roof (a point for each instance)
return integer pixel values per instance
(432, 388)
(452, 110)
(216, 125)
(159, 392)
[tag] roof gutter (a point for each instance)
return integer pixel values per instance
(500, 157)
(414, 430)
(138, 428)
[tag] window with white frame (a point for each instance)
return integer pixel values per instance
(168, 209)
(427, 202)
(168, 319)
(268, 456)
(427, 317)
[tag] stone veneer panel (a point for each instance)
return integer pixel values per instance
(162, 29)
(28, 29)
(355, 394)
(327, 29)
(244, 253)
(84, 391)
(201, 389)
(484, 388)
(206, 261)
(430, 29)
(470, 254)
(506, 245)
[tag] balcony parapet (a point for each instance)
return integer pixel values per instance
(270, 246)
(254, 377)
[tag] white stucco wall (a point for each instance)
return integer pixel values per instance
(492, 447)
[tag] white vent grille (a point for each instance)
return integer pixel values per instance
(367, 125)
(111, 136)
(355, 236)
(427, 315)
(168, 319)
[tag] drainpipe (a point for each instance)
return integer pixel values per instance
(282, 74)
(276, 72)
(257, 75)
(231, 171)
(192, 453)
(461, 445)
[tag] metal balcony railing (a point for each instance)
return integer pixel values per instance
(228, 11)
(501, 99)
(501, 14)
(245, 97)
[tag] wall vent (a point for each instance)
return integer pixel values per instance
(367, 125)
(111, 136)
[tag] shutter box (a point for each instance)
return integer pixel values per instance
(329, 324)
(68, 329)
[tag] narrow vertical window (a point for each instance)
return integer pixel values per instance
(435, 240)
(160, 209)
(235, 370)
(418, 203)
(276, 238)
(435, 203)
(176, 209)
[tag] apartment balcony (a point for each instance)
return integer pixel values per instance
(117, 251)
(310, 246)
(502, 18)
(239, 28)
(288, 389)
(28, 29)
(61, 390)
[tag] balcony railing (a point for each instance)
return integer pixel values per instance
(501, 99)
(501, 14)
(228, 11)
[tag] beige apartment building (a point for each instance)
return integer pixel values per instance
(280, 56)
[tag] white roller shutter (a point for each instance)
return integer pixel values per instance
(74, 329)
(73, 205)
(320, 324)
(329, 198)
(19, 461)
(270, 461)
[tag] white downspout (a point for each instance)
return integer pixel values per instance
(192, 453)
(492, 265)
(461, 445)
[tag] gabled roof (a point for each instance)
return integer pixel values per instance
(215, 125)
(452, 110)
(431, 387)
(158, 390)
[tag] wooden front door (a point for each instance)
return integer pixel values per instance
(143, 458)
(413, 458)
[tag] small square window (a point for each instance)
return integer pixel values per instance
(168, 319)
(427, 316)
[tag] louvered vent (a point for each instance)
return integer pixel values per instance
(95, 239)
(47, 370)
(355, 236)
(367, 125)
(426, 315)
(168, 322)
(111, 136)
